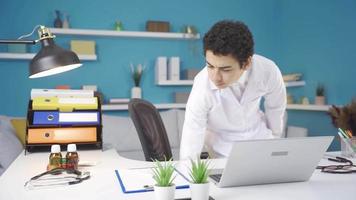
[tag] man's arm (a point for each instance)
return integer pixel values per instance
(275, 102)
(193, 134)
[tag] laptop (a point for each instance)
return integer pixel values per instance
(253, 162)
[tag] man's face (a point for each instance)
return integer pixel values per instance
(222, 70)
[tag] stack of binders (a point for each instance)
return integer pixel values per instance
(58, 116)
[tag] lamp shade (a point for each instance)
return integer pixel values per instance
(52, 59)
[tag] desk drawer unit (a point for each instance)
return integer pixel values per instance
(61, 135)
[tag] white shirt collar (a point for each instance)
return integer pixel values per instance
(243, 78)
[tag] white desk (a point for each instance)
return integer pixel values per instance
(104, 185)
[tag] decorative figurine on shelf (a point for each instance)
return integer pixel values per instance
(290, 99)
(320, 95)
(58, 22)
(118, 25)
(136, 73)
(305, 101)
(190, 30)
(65, 21)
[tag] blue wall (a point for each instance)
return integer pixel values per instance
(312, 37)
(318, 39)
(111, 71)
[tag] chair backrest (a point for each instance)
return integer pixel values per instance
(150, 130)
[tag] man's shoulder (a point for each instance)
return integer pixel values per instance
(264, 66)
(265, 70)
(263, 61)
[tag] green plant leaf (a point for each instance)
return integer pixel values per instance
(199, 171)
(163, 172)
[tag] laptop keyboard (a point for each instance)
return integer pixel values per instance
(216, 177)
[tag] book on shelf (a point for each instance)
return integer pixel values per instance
(119, 101)
(173, 70)
(61, 93)
(161, 69)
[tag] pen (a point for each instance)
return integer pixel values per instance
(343, 133)
(349, 133)
(346, 141)
(148, 187)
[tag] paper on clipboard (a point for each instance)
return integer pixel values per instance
(141, 180)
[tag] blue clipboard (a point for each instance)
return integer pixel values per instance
(144, 189)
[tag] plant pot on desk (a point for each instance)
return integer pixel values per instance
(199, 191)
(164, 192)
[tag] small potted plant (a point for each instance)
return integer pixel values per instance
(136, 73)
(320, 95)
(163, 175)
(199, 173)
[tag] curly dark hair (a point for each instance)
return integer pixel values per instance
(230, 38)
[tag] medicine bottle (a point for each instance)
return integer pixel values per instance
(55, 157)
(72, 156)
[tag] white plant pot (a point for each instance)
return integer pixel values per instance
(320, 100)
(164, 193)
(199, 191)
(136, 92)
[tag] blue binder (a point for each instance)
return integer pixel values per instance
(65, 118)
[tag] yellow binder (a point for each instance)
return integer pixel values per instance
(64, 104)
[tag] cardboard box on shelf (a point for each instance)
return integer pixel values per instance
(181, 97)
(83, 47)
(190, 73)
(157, 26)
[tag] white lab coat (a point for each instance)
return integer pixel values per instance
(217, 117)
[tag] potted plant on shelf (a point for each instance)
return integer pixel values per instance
(136, 73)
(199, 173)
(163, 175)
(320, 95)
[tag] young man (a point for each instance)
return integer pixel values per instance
(224, 104)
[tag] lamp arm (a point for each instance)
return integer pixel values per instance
(17, 41)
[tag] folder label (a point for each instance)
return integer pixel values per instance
(69, 118)
(64, 104)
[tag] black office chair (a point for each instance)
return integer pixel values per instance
(150, 130)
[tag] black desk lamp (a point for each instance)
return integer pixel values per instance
(51, 59)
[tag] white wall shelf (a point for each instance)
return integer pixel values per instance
(308, 107)
(294, 83)
(175, 83)
(111, 33)
(28, 56)
(190, 82)
(113, 107)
